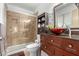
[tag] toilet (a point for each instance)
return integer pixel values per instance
(33, 48)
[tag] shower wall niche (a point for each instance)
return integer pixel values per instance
(21, 28)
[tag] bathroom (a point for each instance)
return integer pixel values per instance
(25, 26)
(19, 27)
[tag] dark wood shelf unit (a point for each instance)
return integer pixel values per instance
(42, 22)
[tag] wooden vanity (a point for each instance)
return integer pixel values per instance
(57, 46)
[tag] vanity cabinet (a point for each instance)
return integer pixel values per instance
(58, 46)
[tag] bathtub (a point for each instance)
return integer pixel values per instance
(17, 48)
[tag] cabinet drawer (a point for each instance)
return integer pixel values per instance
(60, 52)
(72, 46)
(50, 49)
(58, 41)
(46, 49)
(50, 39)
(55, 40)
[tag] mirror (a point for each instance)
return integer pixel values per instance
(67, 14)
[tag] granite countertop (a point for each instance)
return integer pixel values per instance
(74, 37)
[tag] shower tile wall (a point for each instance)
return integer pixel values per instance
(20, 28)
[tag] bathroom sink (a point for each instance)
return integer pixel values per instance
(57, 31)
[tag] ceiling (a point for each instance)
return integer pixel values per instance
(30, 6)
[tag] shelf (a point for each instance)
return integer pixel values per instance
(42, 15)
(42, 22)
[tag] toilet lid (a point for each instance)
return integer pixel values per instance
(32, 45)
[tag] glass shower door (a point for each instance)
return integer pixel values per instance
(21, 29)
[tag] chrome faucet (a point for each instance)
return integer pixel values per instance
(69, 30)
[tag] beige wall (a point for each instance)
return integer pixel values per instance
(20, 28)
(75, 18)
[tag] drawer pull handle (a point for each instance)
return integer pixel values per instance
(45, 47)
(70, 46)
(51, 40)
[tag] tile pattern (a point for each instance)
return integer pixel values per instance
(20, 28)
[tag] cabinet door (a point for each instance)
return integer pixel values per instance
(46, 46)
(50, 49)
(60, 52)
(43, 43)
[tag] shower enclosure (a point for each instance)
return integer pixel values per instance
(20, 29)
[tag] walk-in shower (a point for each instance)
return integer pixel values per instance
(20, 30)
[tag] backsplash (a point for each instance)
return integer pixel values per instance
(74, 32)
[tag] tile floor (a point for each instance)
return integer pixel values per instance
(43, 53)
